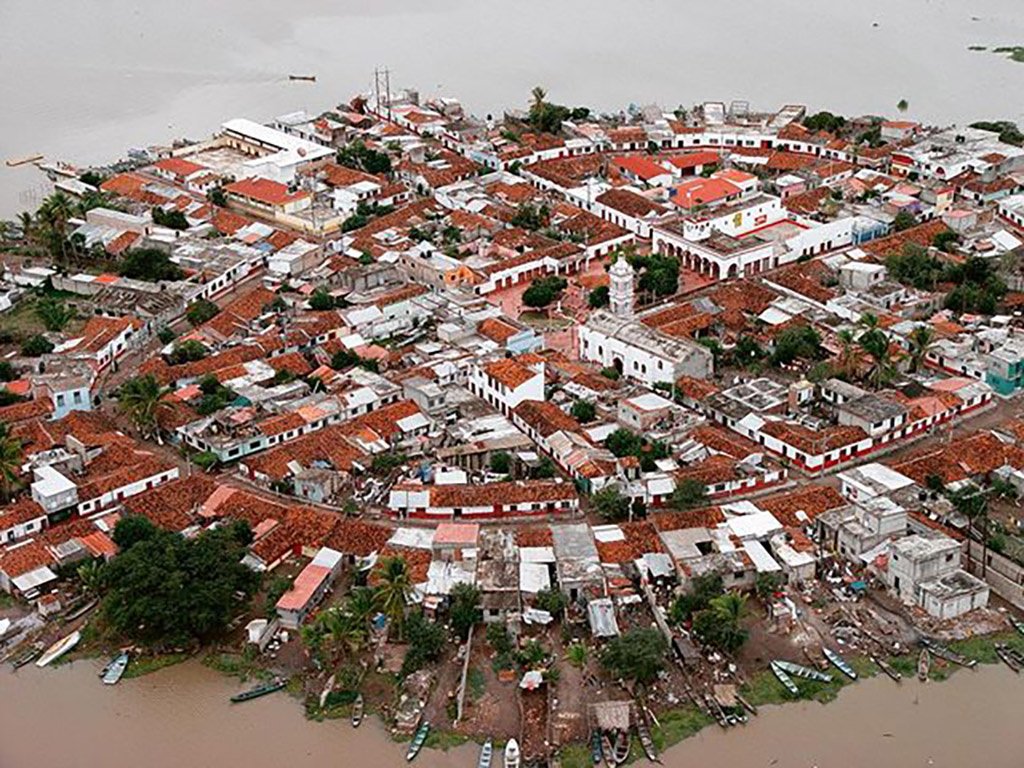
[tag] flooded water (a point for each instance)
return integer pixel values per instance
(64, 718)
(86, 81)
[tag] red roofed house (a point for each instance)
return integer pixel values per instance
(489, 500)
(309, 588)
(507, 382)
(267, 196)
(640, 169)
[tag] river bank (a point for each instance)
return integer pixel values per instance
(180, 715)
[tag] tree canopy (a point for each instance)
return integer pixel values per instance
(149, 264)
(165, 590)
(543, 291)
(638, 654)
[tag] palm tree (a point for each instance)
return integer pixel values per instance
(870, 321)
(27, 223)
(920, 340)
(54, 313)
(876, 344)
(142, 400)
(847, 355)
(393, 590)
(538, 94)
(92, 575)
(362, 605)
(10, 461)
(55, 212)
(729, 610)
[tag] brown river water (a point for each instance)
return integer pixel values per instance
(180, 716)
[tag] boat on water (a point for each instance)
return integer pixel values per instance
(59, 648)
(595, 747)
(14, 162)
(949, 654)
(306, 78)
(418, 740)
(799, 670)
(358, 707)
(512, 754)
(621, 747)
(886, 667)
(260, 690)
(644, 734)
(839, 663)
(924, 665)
(28, 655)
(1003, 652)
(113, 672)
(782, 677)
(486, 755)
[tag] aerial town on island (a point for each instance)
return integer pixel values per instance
(562, 432)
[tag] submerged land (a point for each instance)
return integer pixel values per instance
(546, 427)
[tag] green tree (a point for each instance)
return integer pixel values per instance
(426, 641)
(393, 590)
(720, 624)
(583, 411)
(188, 351)
(321, 301)
(701, 591)
(920, 339)
(689, 493)
(142, 400)
(543, 291)
(498, 638)
(824, 121)
(149, 264)
(876, 344)
(768, 583)
(166, 590)
(599, 297)
(54, 313)
(577, 654)
(610, 504)
(553, 601)
(465, 608)
(172, 218)
(36, 346)
(904, 220)
(11, 458)
(133, 529)
(501, 463)
(799, 342)
(92, 575)
(202, 311)
(638, 654)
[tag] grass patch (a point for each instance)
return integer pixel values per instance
(145, 665)
(476, 683)
(445, 740)
(678, 724)
(234, 664)
(575, 756)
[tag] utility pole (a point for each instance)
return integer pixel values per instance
(387, 89)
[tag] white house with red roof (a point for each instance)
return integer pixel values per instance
(507, 382)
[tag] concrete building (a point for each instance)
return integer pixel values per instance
(925, 571)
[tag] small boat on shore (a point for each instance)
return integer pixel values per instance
(621, 747)
(113, 672)
(608, 749)
(596, 753)
(949, 654)
(59, 648)
(799, 670)
(1003, 652)
(644, 734)
(746, 705)
(782, 677)
(260, 690)
(28, 655)
(358, 707)
(1018, 625)
(305, 78)
(512, 754)
(839, 663)
(81, 610)
(924, 665)
(886, 667)
(486, 755)
(418, 740)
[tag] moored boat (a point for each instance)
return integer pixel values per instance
(782, 677)
(839, 663)
(418, 740)
(358, 707)
(608, 749)
(621, 747)
(307, 78)
(806, 673)
(949, 654)
(260, 690)
(113, 672)
(924, 665)
(1003, 652)
(486, 754)
(59, 648)
(886, 667)
(512, 754)
(595, 746)
(28, 655)
(14, 162)
(644, 733)
(1018, 625)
